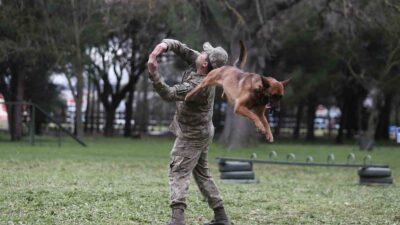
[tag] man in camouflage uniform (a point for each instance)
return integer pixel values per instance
(192, 126)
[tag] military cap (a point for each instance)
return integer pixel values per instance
(218, 56)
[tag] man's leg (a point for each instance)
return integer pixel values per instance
(206, 183)
(209, 190)
(183, 161)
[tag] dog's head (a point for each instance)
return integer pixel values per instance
(274, 90)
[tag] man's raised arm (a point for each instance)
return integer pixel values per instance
(179, 91)
(186, 53)
(174, 93)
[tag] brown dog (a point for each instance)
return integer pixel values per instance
(248, 93)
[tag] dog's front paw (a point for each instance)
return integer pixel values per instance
(269, 137)
(260, 128)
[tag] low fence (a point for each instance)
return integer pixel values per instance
(94, 124)
(28, 123)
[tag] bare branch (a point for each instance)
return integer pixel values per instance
(260, 17)
(71, 87)
(235, 12)
(390, 62)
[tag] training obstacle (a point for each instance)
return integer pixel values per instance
(237, 171)
(240, 169)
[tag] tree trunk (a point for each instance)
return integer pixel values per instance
(89, 106)
(351, 123)
(15, 110)
(310, 118)
(129, 102)
(238, 131)
(110, 118)
(128, 113)
(353, 116)
(343, 122)
(98, 114)
(299, 115)
(367, 140)
(373, 120)
(79, 72)
(382, 131)
(78, 106)
(92, 117)
(144, 114)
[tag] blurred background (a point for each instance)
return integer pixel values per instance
(70, 67)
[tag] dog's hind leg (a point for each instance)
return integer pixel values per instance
(260, 112)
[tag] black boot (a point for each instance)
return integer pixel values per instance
(220, 217)
(178, 216)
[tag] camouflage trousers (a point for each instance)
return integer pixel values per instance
(189, 158)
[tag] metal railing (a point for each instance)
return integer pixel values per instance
(34, 108)
(330, 162)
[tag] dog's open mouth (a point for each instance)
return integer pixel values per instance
(273, 106)
(273, 102)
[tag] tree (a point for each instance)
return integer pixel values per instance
(238, 131)
(40, 90)
(111, 57)
(264, 26)
(121, 52)
(370, 34)
(70, 25)
(24, 54)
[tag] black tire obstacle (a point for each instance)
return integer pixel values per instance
(235, 166)
(373, 175)
(374, 172)
(236, 169)
(238, 175)
(376, 180)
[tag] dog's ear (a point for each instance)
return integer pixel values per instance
(265, 82)
(285, 82)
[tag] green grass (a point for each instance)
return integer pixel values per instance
(124, 181)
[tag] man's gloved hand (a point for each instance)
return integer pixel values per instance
(152, 63)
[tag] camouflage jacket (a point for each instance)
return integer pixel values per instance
(192, 119)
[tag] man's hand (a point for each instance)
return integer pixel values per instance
(160, 48)
(152, 63)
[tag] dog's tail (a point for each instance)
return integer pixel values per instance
(241, 61)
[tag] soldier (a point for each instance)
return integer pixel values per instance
(192, 126)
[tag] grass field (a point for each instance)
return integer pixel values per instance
(124, 181)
